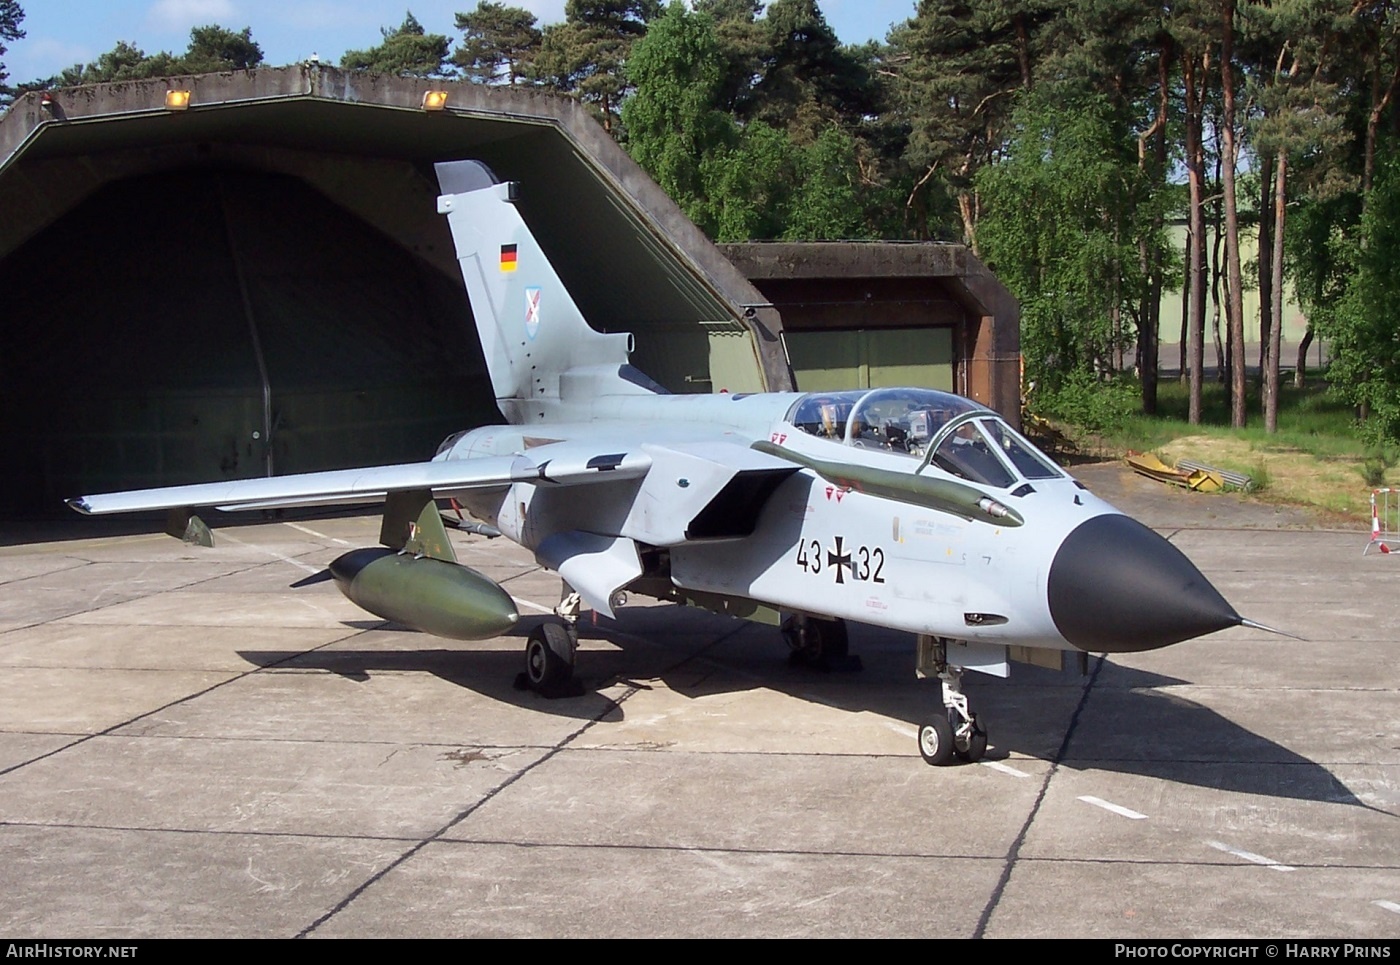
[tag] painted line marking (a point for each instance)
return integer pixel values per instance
(273, 553)
(1118, 809)
(1251, 856)
(1008, 769)
(1387, 905)
(311, 532)
(901, 730)
(533, 606)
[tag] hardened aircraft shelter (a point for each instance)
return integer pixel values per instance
(244, 273)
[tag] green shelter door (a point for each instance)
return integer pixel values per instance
(871, 358)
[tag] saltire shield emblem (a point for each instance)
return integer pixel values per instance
(507, 257)
(532, 312)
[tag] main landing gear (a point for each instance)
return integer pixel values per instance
(955, 733)
(820, 644)
(550, 652)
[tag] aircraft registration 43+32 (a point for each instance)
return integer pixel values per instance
(905, 508)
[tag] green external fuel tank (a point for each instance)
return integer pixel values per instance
(444, 599)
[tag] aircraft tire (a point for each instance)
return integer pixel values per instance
(936, 741)
(822, 645)
(549, 661)
(972, 750)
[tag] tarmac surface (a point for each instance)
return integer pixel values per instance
(189, 747)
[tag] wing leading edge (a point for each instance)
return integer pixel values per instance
(347, 487)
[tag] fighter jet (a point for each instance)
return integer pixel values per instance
(905, 508)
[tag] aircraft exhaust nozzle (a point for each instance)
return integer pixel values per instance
(434, 596)
(1115, 586)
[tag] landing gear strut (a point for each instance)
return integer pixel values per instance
(550, 652)
(956, 732)
(820, 644)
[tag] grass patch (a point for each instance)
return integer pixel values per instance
(1315, 459)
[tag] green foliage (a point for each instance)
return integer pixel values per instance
(1312, 420)
(808, 81)
(1377, 463)
(1317, 421)
(1365, 330)
(1320, 254)
(11, 16)
(123, 62)
(735, 183)
(768, 188)
(743, 46)
(408, 49)
(1300, 115)
(1066, 211)
(1093, 404)
(1260, 479)
(673, 124)
(825, 206)
(498, 42)
(215, 48)
(748, 188)
(212, 48)
(585, 54)
(960, 63)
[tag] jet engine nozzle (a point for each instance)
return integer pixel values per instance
(437, 597)
(1115, 586)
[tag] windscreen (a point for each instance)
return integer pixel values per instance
(980, 447)
(901, 420)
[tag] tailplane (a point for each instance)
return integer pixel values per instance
(539, 349)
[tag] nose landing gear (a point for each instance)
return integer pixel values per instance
(955, 733)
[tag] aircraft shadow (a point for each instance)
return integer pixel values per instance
(1125, 723)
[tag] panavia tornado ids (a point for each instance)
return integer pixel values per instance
(905, 508)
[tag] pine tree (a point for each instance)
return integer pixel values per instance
(408, 49)
(585, 54)
(961, 65)
(499, 42)
(214, 48)
(11, 16)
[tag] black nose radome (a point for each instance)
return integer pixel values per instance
(1115, 586)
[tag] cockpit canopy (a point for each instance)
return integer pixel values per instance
(958, 435)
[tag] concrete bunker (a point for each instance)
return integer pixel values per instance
(260, 283)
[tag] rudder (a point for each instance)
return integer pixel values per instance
(531, 331)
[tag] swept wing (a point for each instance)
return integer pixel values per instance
(564, 465)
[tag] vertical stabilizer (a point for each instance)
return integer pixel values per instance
(532, 333)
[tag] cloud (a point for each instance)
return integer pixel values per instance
(178, 16)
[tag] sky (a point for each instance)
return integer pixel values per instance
(61, 33)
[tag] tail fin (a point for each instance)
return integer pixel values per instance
(537, 344)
